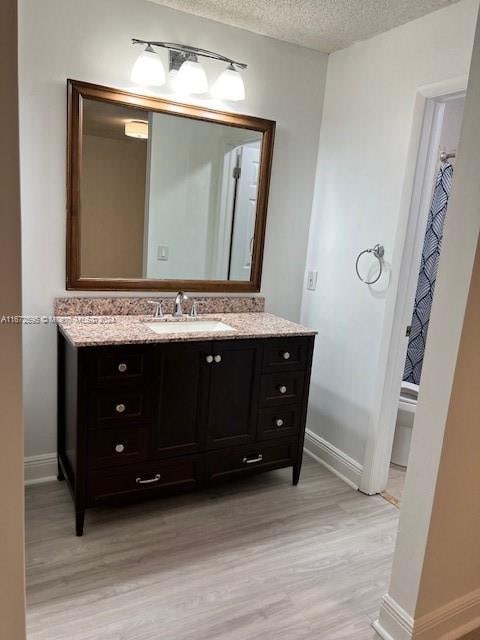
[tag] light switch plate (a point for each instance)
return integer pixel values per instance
(312, 280)
(162, 252)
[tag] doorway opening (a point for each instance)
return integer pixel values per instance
(434, 176)
(244, 206)
(233, 226)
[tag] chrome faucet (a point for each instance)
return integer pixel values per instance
(179, 300)
(157, 311)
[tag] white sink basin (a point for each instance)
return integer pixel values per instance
(189, 326)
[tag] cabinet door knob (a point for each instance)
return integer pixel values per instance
(218, 358)
(282, 388)
(120, 408)
(258, 458)
(122, 367)
(286, 355)
(279, 422)
(209, 359)
(156, 478)
(119, 448)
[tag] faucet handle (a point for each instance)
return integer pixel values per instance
(194, 309)
(158, 311)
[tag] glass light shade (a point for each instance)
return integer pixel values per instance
(229, 85)
(148, 69)
(136, 129)
(191, 78)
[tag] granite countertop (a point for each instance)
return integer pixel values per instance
(86, 331)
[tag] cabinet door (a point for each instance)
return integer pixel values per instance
(234, 383)
(182, 395)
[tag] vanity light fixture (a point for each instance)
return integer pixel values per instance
(229, 85)
(190, 76)
(136, 129)
(148, 69)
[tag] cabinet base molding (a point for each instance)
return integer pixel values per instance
(452, 621)
(41, 468)
(336, 461)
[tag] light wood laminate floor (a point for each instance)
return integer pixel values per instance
(250, 559)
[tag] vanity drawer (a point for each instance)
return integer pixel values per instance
(142, 480)
(120, 408)
(242, 460)
(122, 364)
(114, 447)
(282, 388)
(285, 354)
(278, 422)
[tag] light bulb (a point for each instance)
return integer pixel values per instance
(191, 78)
(148, 69)
(229, 85)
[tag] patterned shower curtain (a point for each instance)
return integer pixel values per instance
(428, 275)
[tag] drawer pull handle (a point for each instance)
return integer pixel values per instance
(119, 448)
(209, 359)
(259, 458)
(122, 367)
(282, 388)
(286, 355)
(218, 358)
(149, 481)
(279, 422)
(120, 408)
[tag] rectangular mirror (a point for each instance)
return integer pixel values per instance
(164, 196)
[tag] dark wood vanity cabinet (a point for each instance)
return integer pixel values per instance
(138, 421)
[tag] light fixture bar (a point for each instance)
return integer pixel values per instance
(189, 50)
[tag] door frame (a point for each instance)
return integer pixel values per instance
(428, 120)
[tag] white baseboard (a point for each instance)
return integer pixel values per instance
(381, 631)
(42, 468)
(452, 621)
(337, 461)
(394, 623)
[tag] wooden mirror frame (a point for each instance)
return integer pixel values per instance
(77, 91)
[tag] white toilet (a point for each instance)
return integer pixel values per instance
(403, 431)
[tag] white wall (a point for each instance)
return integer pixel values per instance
(362, 173)
(452, 125)
(90, 40)
(184, 171)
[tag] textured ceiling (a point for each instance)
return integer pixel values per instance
(325, 25)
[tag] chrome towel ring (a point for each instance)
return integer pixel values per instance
(378, 251)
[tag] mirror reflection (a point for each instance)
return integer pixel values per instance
(166, 197)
